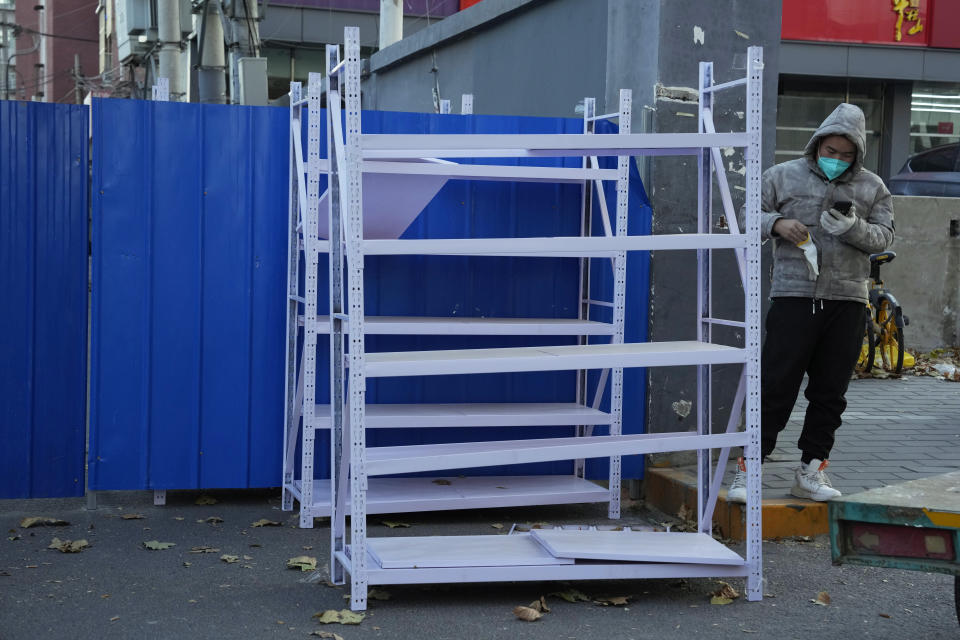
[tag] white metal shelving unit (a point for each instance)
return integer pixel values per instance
(355, 158)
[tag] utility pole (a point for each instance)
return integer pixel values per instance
(77, 95)
(168, 28)
(211, 78)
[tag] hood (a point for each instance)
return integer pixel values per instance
(846, 120)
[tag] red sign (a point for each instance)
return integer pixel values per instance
(897, 22)
(945, 127)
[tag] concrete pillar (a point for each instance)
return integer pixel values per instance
(391, 22)
(170, 63)
(211, 77)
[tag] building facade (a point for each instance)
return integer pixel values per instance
(899, 60)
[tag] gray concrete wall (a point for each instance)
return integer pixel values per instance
(517, 57)
(925, 277)
(728, 29)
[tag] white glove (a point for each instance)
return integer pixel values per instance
(837, 223)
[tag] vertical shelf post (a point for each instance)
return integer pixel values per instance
(752, 312)
(619, 300)
(583, 311)
(703, 401)
(353, 210)
(291, 411)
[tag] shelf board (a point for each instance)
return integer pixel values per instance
(635, 546)
(439, 552)
(490, 172)
(481, 414)
(589, 246)
(557, 358)
(409, 325)
(461, 455)
(409, 495)
(554, 145)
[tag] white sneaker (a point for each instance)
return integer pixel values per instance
(738, 488)
(812, 482)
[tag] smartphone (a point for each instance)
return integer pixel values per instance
(843, 206)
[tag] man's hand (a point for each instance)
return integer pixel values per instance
(790, 230)
(837, 223)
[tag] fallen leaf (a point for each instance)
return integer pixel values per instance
(497, 525)
(616, 601)
(823, 599)
(68, 546)
(248, 558)
(204, 550)
(114, 618)
(540, 605)
(132, 516)
(178, 517)
(304, 563)
(884, 615)
(263, 522)
(13, 538)
(441, 481)
(106, 595)
(212, 520)
(395, 525)
(326, 634)
(726, 591)
(205, 499)
(344, 616)
(230, 559)
(719, 600)
(307, 547)
(41, 521)
(527, 614)
(378, 594)
(572, 595)
(187, 564)
(153, 545)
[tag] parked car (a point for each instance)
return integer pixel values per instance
(934, 172)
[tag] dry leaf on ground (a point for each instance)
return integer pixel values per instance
(617, 601)
(326, 634)
(527, 614)
(395, 525)
(378, 594)
(344, 616)
(823, 599)
(205, 499)
(204, 550)
(263, 522)
(132, 516)
(153, 545)
(212, 520)
(540, 605)
(304, 563)
(41, 521)
(230, 559)
(68, 546)
(497, 525)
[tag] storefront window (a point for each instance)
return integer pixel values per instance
(803, 102)
(934, 115)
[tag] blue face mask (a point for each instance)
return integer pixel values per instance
(832, 166)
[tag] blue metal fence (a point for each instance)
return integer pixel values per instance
(189, 237)
(43, 280)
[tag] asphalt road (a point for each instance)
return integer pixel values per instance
(116, 588)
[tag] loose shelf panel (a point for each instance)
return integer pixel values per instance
(432, 326)
(512, 414)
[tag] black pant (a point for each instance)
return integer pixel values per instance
(821, 338)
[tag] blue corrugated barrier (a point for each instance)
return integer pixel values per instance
(43, 280)
(189, 237)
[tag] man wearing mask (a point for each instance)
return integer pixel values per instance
(825, 214)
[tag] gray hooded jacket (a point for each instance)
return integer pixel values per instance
(798, 189)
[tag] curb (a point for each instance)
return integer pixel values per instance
(671, 488)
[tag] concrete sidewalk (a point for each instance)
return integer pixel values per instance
(893, 430)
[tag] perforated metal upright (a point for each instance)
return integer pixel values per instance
(534, 555)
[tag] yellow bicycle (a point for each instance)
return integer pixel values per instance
(883, 335)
